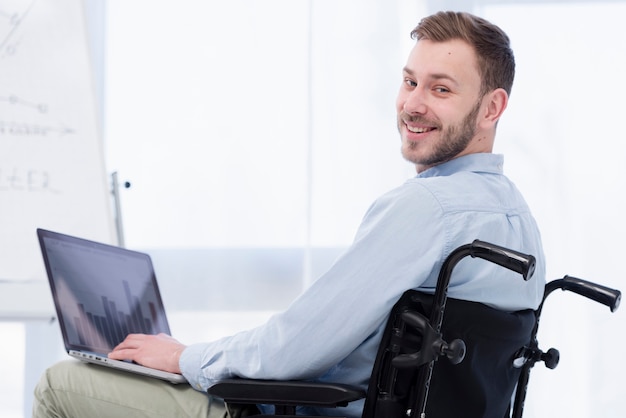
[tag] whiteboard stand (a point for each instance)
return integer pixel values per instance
(119, 226)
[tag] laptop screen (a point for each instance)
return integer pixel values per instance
(101, 292)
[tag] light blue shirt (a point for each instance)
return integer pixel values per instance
(332, 331)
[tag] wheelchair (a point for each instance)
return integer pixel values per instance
(489, 354)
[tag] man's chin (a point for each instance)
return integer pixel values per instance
(410, 157)
(412, 152)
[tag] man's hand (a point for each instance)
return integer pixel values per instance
(157, 351)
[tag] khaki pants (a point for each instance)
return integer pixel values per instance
(76, 389)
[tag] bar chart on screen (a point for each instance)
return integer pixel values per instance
(105, 328)
(102, 293)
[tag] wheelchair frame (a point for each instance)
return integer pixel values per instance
(287, 395)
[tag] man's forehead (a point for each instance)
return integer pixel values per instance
(454, 59)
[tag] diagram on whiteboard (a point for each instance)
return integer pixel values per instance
(52, 171)
(37, 122)
(11, 16)
(17, 128)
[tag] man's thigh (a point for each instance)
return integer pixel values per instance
(76, 389)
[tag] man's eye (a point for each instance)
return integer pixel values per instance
(441, 90)
(410, 83)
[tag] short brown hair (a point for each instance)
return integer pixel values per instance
(496, 62)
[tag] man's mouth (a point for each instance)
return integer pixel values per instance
(419, 129)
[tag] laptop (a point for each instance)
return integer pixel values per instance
(101, 294)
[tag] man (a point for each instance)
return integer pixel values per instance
(455, 86)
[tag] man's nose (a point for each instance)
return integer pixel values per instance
(416, 102)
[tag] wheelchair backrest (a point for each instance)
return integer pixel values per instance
(480, 386)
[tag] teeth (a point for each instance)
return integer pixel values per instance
(417, 130)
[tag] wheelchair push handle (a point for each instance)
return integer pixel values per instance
(601, 294)
(523, 264)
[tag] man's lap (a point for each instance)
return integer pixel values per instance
(75, 389)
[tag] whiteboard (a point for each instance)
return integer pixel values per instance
(52, 172)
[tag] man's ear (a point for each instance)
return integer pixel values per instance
(494, 104)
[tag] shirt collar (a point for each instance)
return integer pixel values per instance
(480, 162)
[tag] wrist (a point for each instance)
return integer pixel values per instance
(176, 358)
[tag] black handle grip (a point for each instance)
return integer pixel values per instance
(416, 320)
(523, 264)
(601, 294)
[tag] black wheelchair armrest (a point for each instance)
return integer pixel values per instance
(296, 393)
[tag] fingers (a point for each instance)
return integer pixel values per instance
(121, 355)
(136, 341)
(131, 341)
(158, 351)
(127, 349)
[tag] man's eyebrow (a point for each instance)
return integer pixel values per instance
(434, 76)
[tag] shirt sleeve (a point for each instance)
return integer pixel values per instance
(393, 251)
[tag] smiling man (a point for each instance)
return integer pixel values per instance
(450, 102)
(455, 86)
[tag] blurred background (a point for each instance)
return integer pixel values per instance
(255, 135)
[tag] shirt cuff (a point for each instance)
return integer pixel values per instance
(190, 364)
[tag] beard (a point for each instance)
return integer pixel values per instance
(452, 141)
